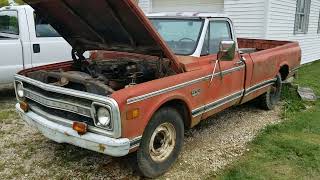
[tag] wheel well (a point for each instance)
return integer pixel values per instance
(284, 72)
(182, 108)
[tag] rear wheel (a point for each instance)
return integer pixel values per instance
(270, 99)
(161, 143)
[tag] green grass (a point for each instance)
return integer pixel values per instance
(290, 150)
(4, 115)
(8, 116)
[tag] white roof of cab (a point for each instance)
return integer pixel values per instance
(188, 14)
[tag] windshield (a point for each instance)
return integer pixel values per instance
(9, 22)
(181, 35)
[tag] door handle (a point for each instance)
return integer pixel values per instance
(238, 63)
(36, 48)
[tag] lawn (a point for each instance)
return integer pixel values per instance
(290, 150)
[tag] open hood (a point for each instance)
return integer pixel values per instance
(113, 25)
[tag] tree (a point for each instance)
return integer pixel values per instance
(6, 3)
(3, 3)
(19, 2)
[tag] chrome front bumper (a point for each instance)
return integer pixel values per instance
(62, 134)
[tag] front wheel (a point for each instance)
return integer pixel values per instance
(161, 143)
(270, 99)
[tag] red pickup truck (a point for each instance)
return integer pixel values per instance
(147, 80)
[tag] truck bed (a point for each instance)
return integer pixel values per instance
(270, 57)
(255, 45)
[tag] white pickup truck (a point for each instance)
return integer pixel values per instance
(27, 41)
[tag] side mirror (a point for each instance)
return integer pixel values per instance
(227, 50)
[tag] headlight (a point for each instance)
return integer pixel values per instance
(103, 117)
(19, 89)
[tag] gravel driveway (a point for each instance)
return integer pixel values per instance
(212, 145)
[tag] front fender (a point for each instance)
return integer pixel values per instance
(147, 108)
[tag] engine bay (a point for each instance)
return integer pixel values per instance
(103, 77)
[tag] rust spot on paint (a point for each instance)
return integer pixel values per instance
(102, 148)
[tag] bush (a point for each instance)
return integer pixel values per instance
(6, 3)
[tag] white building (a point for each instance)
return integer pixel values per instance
(295, 20)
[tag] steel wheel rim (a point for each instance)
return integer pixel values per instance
(162, 142)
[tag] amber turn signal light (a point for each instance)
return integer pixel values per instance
(24, 106)
(132, 114)
(80, 127)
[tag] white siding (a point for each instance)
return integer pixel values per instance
(248, 16)
(281, 26)
(187, 5)
(145, 5)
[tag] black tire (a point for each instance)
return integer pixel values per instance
(145, 157)
(271, 98)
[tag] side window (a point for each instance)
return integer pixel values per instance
(43, 29)
(219, 31)
(9, 22)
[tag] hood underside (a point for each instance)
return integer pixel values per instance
(113, 25)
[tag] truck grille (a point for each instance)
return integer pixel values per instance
(64, 106)
(59, 105)
(35, 107)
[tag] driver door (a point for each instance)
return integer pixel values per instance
(47, 45)
(225, 86)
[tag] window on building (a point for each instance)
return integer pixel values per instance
(319, 24)
(302, 16)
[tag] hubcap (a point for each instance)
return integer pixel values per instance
(162, 142)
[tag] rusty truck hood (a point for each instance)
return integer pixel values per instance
(114, 25)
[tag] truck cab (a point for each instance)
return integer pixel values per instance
(26, 41)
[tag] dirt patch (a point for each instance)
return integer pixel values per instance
(215, 143)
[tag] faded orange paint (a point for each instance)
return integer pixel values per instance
(259, 66)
